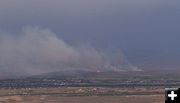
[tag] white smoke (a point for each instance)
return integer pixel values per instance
(38, 51)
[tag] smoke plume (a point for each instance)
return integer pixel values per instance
(38, 51)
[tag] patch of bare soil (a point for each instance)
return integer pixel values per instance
(84, 99)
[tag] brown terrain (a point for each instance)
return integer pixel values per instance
(82, 95)
(84, 99)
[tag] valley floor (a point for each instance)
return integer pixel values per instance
(84, 99)
(82, 95)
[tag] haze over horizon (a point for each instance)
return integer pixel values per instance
(147, 32)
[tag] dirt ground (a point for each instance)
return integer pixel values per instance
(84, 99)
(82, 95)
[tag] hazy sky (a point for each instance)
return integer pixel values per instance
(148, 31)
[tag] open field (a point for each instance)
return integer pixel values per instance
(103, 87)
(82, 95)
(84, 99)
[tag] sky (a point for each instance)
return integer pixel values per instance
(147, 31)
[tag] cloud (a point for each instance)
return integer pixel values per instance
(38, 51)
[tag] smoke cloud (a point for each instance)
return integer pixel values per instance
(38, 51)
